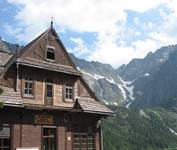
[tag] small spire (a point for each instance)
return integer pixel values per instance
(51, 23)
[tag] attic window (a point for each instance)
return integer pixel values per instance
(50, 53)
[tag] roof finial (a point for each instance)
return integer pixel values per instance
(51, 23)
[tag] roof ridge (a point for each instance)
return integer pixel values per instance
(22, 50)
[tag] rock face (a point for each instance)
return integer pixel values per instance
(153, 78)
(148, 65)
(7, 47)
(102, 79)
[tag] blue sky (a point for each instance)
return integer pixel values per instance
(109, 31)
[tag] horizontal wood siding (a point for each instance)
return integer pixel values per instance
(31, 136)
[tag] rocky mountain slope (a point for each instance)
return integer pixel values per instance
(104, 80)
(153, 77)
(7, 47)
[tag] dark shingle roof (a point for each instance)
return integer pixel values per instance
(92, 106)
(10, 97)
(4, 57)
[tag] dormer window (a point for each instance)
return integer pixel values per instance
(50, 53)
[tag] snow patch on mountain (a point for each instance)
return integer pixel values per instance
(110, 80)
(121, 87)
(172, 131)
(146, 75)
(129, 87)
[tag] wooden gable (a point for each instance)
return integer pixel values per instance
(38, 47)
(84, 90)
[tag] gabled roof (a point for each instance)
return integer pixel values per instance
(4, 58)
(45, 64)
(24, 49)
(91, 106)
(51, 29)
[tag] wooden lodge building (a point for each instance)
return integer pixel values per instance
(47, 105)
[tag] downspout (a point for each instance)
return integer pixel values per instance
(99, 129)
(17, 55)
(17, 77)
(17, 90)
(101, 134)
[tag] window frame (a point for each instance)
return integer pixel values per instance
(30, 80)
(71, 87)
(50, 49)
(49, 136)
(6, 137)
(78, 142)
(48, 98)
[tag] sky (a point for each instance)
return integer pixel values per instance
(108, 31)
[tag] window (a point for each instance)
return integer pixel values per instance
(68, 90)
(83, 141)
(50, 54)
(49, 138)
(28, 86)
(5, 143)
(49, 92)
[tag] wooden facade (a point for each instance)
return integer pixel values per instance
(47, 103)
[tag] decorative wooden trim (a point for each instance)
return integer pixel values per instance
(11, 84)
(37, 54)
(43, 51)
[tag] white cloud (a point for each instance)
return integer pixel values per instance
(80, 47)
(110, 53)
(81, 16)
(142, 47)
(107, 18)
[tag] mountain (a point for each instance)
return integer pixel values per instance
(145, 129)
(161, 90)
(104, 80)
(142, 67)
(153, 78)
(7, 47)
